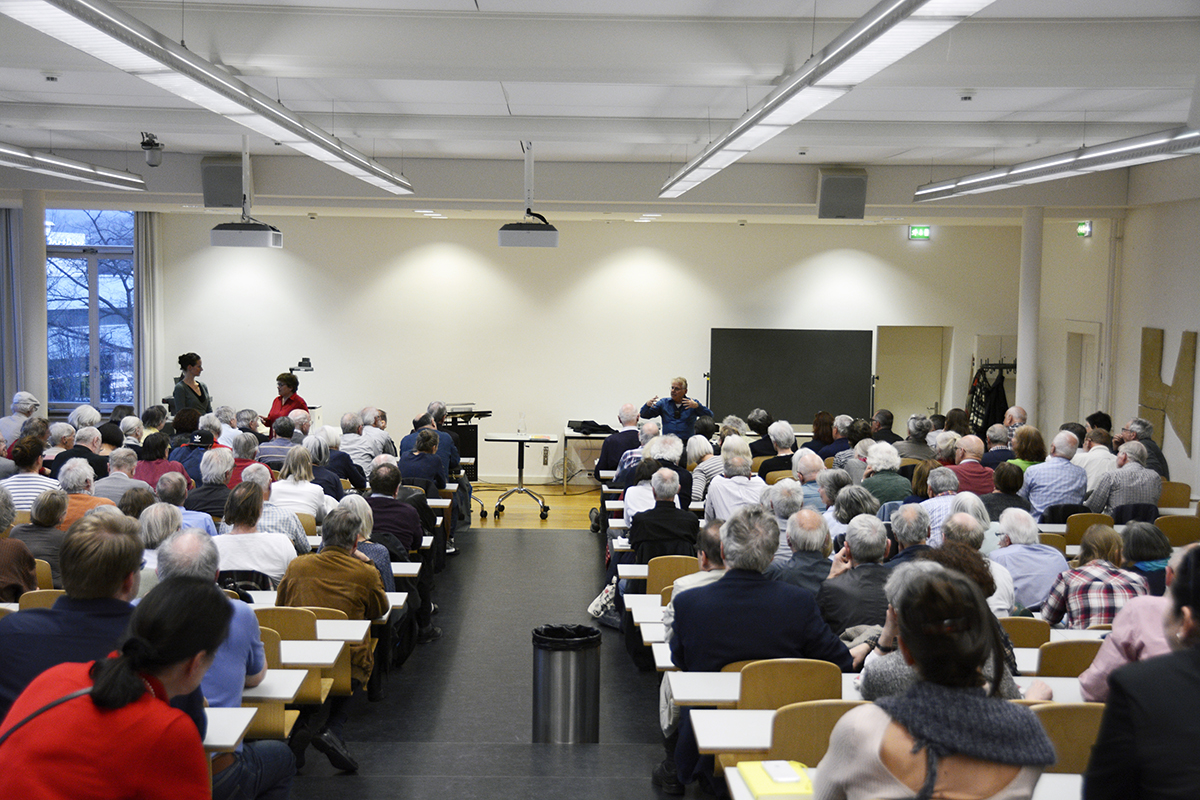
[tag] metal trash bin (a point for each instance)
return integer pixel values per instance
(566, 684)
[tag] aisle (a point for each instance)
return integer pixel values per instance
(456, 720)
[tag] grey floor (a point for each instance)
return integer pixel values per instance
(456, 722)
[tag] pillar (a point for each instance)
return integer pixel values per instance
(1029, 311)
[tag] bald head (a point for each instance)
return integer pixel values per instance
(1015, 416)
(969, 447)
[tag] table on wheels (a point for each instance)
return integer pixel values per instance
(521, 439)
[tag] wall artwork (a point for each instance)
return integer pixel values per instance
(1159, 402)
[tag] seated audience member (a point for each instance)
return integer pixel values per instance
(121, 463)
(629, 460)
(318, 451)
(997, 447)
(135, 501)
(856, 465)
(736, 488)
(712, 568)
(334, 578)
(154, 419)
(1007, 480)
(667, 450)
(8, 467)
(87, 447)
(245, 453)
(1093, 592)
(1137, 635)
(1146, 745)
(447, 450)
(77, 479)
(1028, 447)
(1056, 481)
(806, 467)
(617, 444)
(1034, 566)
(303, 424)
(1014, 418)
(742, 616)
(972, 475)
(929, 741)
(920, 480)
(914, 445)
(37, 427)
(84, 416)
(414, 496)
(910, 525)
(154, 464)
(1140, 430)
(260, 769)
(155, 525)
(958, 422)
(783, 500)
(62, 437)
(665, 529)
(192, 452)
(18, 573)
(853, 592)
(210, 496)
(41, 534)
(132, 433)
(945, 446)
(101, 558)
(170, 643)
(172, 488)
(110, 439)
(339, 463)
(1095, 455)
(966, 529)
(275, 451)
(368, 551)
(212, 424)
(970, 503)
(295, 490)
(881, 427)
(831, 483)
(273, 519)
(943, 486)
(760, 421)
(822, 431)
(288, 401)
(248, 421)
(422, 462)
(781, 436)
(24, 404)
(858, 431)
(841, 431)
(708, 466)
(25, 487)
(110, 430)
(244, 547)
(810, 545)
(184, 423)
(639, 496)
(375, 429)
(882, 477)
(1130, 482)
(1147, 552)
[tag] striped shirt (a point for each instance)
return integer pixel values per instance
(24, 488)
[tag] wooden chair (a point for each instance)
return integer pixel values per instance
(21, 518)
(309, 522)
(340, 673)
(1135, 512)
(829, 463)
(346, 485)
(756, 462)
(1107, 626)
(1180, 530)
(778, 475)
(738, 666)
(44, 578)
(39, 598)
(299, 624)
(1073, 728)
(665, 569)
(1175, 494)
(231, 594)
(1055, 540)
(1077, 525)
(777, 682)
(1026, 631)
(909, 462)
(273, 720)
(799, 732)
(666, 594)
(1066, 659)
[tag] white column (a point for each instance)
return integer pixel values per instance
(1029, 312)
(31, 289)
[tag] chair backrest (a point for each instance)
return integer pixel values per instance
(346, 485)
(1055, 540)
(887, 509)
(1077, 525)
(245, 579)
(326, 613)
(39, 598)
(777, 475)
(231, 594)
(829, 463)
(662, 571)
(800, 731)
(270, 639)
(1066, 659)
(1057, 515)
(309, 522)
(1026, 631)
(666, 594)
(424, 484)
(1100, 626)
(1135, 512)
(756, 462)
(1175, 494)
(738, 666)
(777, 682)
(20, 519)
(1073, 728)
(1180, 530)
(44, 578)
(291, 623)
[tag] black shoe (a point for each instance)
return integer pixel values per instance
(666, 780)
(452, 548)
(334, 748)
(429, 634)
(594, 516)
(298, 742)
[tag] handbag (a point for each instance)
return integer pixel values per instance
(605, 601)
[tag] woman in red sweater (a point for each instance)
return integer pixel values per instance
(287, 401)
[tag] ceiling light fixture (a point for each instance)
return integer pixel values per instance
(117, 38)
(59, 167)
(1113, 155)
(887, 33)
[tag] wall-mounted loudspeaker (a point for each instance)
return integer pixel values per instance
(841, 193)
(221, 177)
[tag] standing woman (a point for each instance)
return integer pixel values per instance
(287, 401)
(190, 392)
(122, 739)
(1147, 741)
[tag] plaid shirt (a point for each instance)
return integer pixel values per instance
(1091, 595)
(1132, 483)
(1055, 482)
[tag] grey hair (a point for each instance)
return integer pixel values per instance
(436, 410)
(736, 466)
(786, 497)
(1142, 428)
(883, 457)
(648, 431)
(969, 503)
(331, 435)
(919, 425)
(1019, 526)
(245, 445)
(382, 458)
(1065, 444)
(84, 416)
(298, 416)
(351, 422)
(910, 523)
(963, 527)
(627, 414)
(340, 528)
(359, 505)
(854, 501)
(807, 463)
(7, 512)
(259, 475)
(159, 521)
(782, 434)
(226, 415)
(833, 481)
(997, 434)
(216, 465)
(1134, 451)
(122, 458)
(947, 442)
(697, 448)
(86, 435)
(735, 446)
(59, 431)
(188, 553)
(665, 484)
(668, 448)
(750, 538)
(1018, 414)
(737, 423)
(172, 488)
(316, 448)
(841, 423)
(902, 576)
(76, 475)
(210, 423)
(245, 418)
(867, 538)
(370, 415)
(942, 480)
(131, 425)
(801, 537)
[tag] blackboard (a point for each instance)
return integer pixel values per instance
(792, 374)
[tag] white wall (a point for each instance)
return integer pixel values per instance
(396, 313)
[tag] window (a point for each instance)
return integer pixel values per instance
(91, 330)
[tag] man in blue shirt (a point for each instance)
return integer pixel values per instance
(679, 412)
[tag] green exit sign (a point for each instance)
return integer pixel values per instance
(918, 233)
(1084, 229)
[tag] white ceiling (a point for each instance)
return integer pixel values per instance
(622, 81)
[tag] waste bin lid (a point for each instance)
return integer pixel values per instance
(566, 637)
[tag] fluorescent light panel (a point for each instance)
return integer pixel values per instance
(115, 37)
(59, 167)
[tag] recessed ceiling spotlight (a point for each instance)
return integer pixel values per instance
(651, 215)
(422, 211)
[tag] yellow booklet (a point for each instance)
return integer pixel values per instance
(763, 785)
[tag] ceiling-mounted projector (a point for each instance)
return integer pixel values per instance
(529, 234)
(245, 234)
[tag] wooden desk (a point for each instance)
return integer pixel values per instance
(406, 569)
(314, 542)
(704, 688)
(662, 657)
(1027, 659)
(278, 687)
(343, 630)
(730, 730)
(278, 684)
(653, 632)
(619, 545)
(633, 572)
(310, 654)
(226, 727)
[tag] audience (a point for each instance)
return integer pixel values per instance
(273, 519)
(245, 452)
(172, 488)
(210, 496)
(882, 477)
(1095, 455)
(943, 486)
(910, 525)
(712, 568)
(244, 548)
(972, 475)
(121, 463)
(1008, 479)
(62, 437)
(966, 530)
(274, 451)
(295, 490)
(1093, 592)
(156, 523)
(154, 464)
(23, 406)
(87, 447)
(1147, 551)
(806, 468)
(41, 534)
(783, 500)
(1028, 446)
(328, 480)
(810, 545)
(617, 444)
(997, 447)
(708, 466)
(914, 445)
(1140, 430)
(853, 593)
(783, 443)
(1130, 482)
(77, 479)
(25, 487)
(664, 528)
(1034, 566)
(135, 501)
